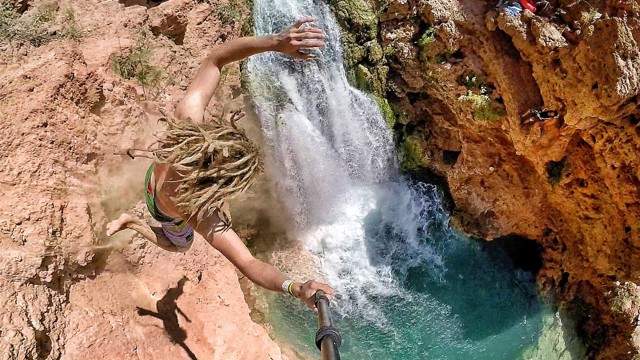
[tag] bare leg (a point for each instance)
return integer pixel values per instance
(153, 234)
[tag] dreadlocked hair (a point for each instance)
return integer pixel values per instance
(216, 161)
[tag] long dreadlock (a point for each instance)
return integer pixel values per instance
(216, 161)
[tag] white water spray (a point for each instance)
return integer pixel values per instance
(333, 155)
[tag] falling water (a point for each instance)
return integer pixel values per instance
(408, 286)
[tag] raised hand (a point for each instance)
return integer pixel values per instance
(297, 38)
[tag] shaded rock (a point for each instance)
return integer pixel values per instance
(397, 9)
(170, 18)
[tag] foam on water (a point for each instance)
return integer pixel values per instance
(408, 286)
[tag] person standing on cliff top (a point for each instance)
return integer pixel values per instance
(199, 165)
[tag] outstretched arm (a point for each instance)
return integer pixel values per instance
(201, 89)
(259, 272)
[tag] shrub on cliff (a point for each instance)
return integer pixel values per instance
(135, 63)
(32, 29)
(38, 27)
(428, 37)
(483, 108)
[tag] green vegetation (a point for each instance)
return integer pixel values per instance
(413, 153)
(360, 16)
(232, 12)
(388, 50)
(624, 298)
(442, 57)
(44, 15)
(617, 304)
(229, 13)
(479, 96)
(353, 53)
(587, 20)
(364, 78)
(383, 6)
(428, 37)
(72, 30)
(34, 27)
(135, 64)
(370, 79)
(25, 29)
(589, 17)
(387, 113)
(247, 28)
(483, 108)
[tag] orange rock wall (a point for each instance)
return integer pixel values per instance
(67, 291)
(571, 183)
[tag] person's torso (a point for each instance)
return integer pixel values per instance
(166, 186)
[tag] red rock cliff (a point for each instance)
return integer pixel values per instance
(66, 290)
(459, 75)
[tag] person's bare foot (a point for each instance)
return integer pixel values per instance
(118, 224)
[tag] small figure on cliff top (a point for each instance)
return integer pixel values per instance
(510, 7)
(514, 8)
(533, 115)
(199, 165)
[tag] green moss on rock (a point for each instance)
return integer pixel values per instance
(359, 16)
(381, 73)
(371, 79)
(353, 53)
(428, 37)
(387, 112)
(413, 153)
(374, 52)
(402, 118)
(364, 78)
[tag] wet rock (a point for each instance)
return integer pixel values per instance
(359, 16)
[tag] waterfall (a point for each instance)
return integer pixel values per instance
(383, 241)
(333, 154)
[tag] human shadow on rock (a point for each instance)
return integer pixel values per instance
(168, 312)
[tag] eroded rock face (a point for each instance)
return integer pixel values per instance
(460, 76)
(66, 290)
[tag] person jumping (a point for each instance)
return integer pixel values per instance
(199, 165)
